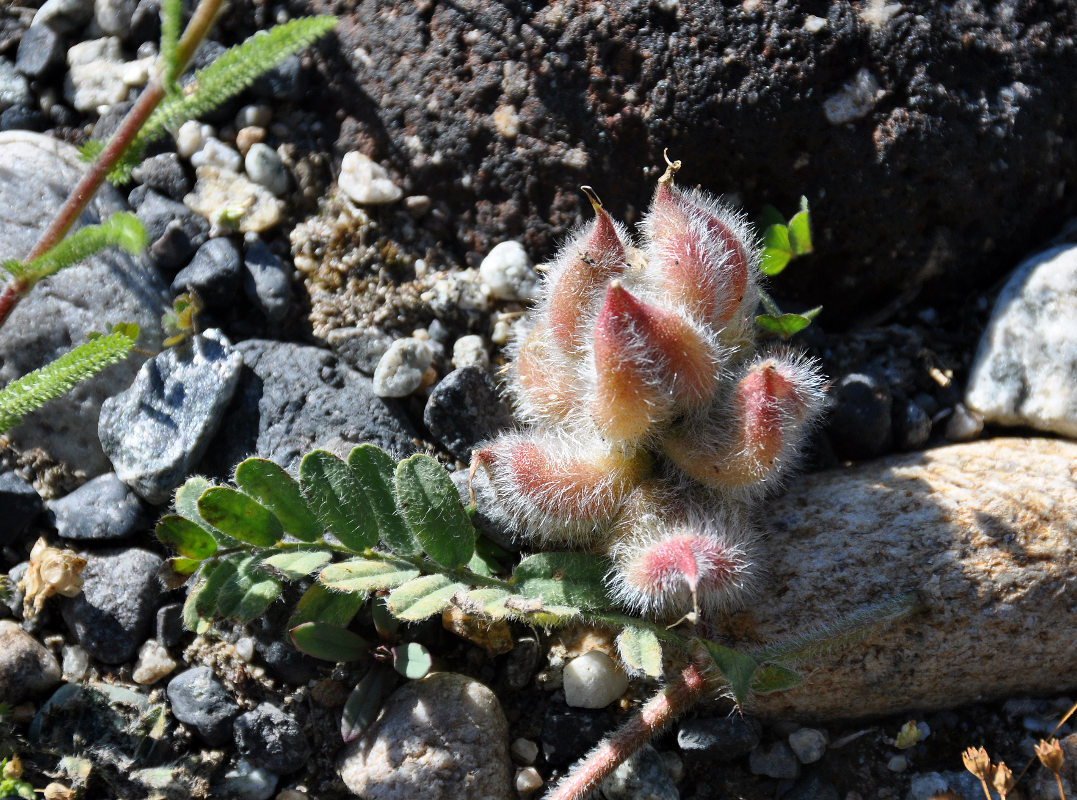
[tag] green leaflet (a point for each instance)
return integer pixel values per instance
(375, 470)
(188, 539)
(412, 660)
(275, 489)
(563, 579)
(775, 678)
(319, 604)
(298, 563)
(239, 516)
(248, 592)
(337, 499)
(423, 597)
(365, 701)
(641, 651)
(736, 667)
(429, 502)
(329, 642)
(367, 575)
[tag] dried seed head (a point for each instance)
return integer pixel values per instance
(1003, 780)
(1049, 752)
(552, 489)
(51, 571)
(650, 363)
(978, 763)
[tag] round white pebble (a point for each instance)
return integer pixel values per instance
(400, 370)
(470, 351)
(215, 153)
(189, 138)
(528, 780)
(264, 166)
(524, 751)
(154, 663)
(508, 273)
(365, 181)
(593, 681)
(808, 744)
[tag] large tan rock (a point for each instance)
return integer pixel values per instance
(985, 531)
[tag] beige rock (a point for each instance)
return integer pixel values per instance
(231, 202)
(984, 531)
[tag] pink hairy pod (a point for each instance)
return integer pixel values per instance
(703, 254)
(744, 446)
(544, 381)
(552, 489)
(650, 362)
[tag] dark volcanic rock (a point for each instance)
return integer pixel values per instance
(938, 176)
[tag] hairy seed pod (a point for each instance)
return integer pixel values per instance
(544, 382)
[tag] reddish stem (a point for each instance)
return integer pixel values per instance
(666, 706)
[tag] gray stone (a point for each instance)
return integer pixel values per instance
(14, 90)
(174, 231)
(66, 16)
(114, 16)
(271, 739)
(445, 734)
(400, 370)
(775, 760)
(264, 166)
(463, 409)
(27, 669)
(169, 628)
(812, 787)
(114, 614)
(104, 508)
(215, 153)
(267, 281)
(166, 174)
(198, 699)
(912, 426)
(719, 739)
(642, 777)
(808, 744)
(161, 426)
(21, 118)
(111, 286)
(21, 504)
(359, 348)
(40, 52)
(293, 398)
(247, 782)
(1025, 372)
(214, 274)
(859, 423)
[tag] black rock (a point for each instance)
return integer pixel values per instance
(146, 21)
(463, 409)
(568, 733)
(41, 50)
(912, 426)
(271, 739)
(174, 231)
(21, 118)
(719, 739)
(812, 787)
(199, 700)
(267, 283)
(213, 273)
(114, 614)
(859, 424)
(109, 122)
(166, 174)
(102, 509)
(283, 82)
(284, 662)
(169, 627)
(21, 505)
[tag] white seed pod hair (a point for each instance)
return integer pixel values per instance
(555, 490)
(699, 558)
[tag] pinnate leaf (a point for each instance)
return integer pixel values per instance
(367, 575)
(338, 500)
(275, 489)
(239, 516)
(431, 505)
(423, 597)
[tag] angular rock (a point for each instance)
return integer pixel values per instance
(161, 426)
(174, 231)
(400, 369)
(463, 409)
(293, 398)
(719, 739)
(271, 739)
(445, 734)
(114, 614)
(198, 699)
(642, 777)
(213, 273)
(1025, 372)
(111, 286)
(27, 669)
(164, 173)
(104, 508)
(266, 281)
(66, 16)
(983, 532)
(40, 51)
(22, 505)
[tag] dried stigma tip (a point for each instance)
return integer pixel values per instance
(650, 362)
(773, 404)
(672, 168)
(550, 489)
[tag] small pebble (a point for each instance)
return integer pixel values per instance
(267, 281)
(641, 777)
(470, 351)
(232, 202)
(860, 424)
(247, 782)
(114, 16)
(264, 166)
(524, 751)
(417, 205)
(214, 274)
(464, 409)
(22, 505)
(271, 739)
(400, 370)
(964, 425)
(248, 137)
(27, 668)
(169, 629)
(174, 231)
(528, 780)
(808, 744)
(40, 52)
(215, 153)
(164, 173)
(508, 274)
(593, 680)
(14, 89)
(199, 700)
(258, 116)
(101, 509)
(66, 16)
(21, 118)
(912, 426)
(245, 648)
(366, 181)
(814, 24)
(75, 663)
(154, 662)
(854, 101)
(719, 739)
(190, 137)
(774, 761)
(898, 763)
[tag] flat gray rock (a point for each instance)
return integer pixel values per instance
(157, 429)
(36, 173)
(101, 509)
(1025, 371)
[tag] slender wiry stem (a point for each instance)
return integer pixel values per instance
(666, 706)
(87, 187)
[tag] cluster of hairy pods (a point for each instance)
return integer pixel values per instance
(652, 422)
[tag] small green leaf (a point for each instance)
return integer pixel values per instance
(247, 594)
(275, 489)
(365, 702)
(641, 651)
(384, 622)
(185, 537)
(770, 216)
(738, 668)
(184, 566)
(412, 660)
(776, 237)
(217, 574)
(299, 563)
(337, 499)
(566, 579)
(491, 602)
(367, 575)
(329, 642)
(376, 472)
(800, 233)
(773, 260)
(423, 597)
(239, 516)
(775, 678)
(186, 505)
(431, 505)
(480, 566)
(319, 604)
(786, 325)
(193, 619)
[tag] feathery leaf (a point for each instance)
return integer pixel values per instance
(121, 229)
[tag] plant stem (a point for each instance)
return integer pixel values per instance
(87, 187)
(662, 709)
